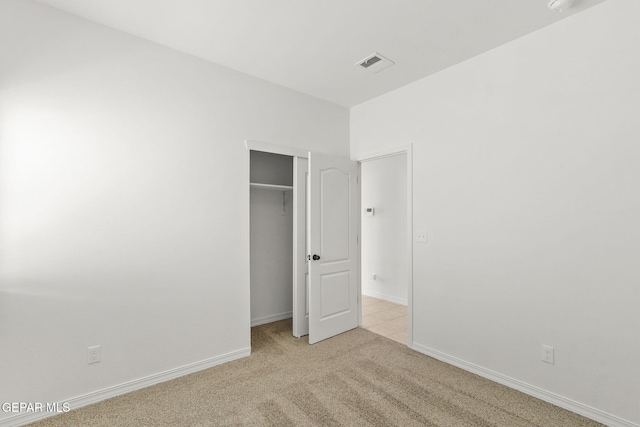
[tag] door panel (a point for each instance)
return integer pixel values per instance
(300, 263)
(333, 224)
(306, 294)
(335, 294)
(334, 202)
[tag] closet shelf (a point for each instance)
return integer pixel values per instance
(271, 186)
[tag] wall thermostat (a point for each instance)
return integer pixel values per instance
(368, 211)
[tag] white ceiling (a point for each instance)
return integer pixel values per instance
(312, 45)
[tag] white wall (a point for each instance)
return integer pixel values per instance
(124, 202)
(384, 235)
(526, 176)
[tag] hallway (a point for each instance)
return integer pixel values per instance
(385, 318)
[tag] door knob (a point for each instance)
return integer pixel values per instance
(316, 257)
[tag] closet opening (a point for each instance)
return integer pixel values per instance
(271, 237)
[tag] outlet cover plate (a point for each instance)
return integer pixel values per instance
(94, 354)
(547, 354)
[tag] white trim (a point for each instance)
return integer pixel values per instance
(384, 152)
(359, 244)
(389, 298)
(547, 396)
(406, 149)
(270, 187)
(271, 318)
(268, 147)
(409, 151)
(300, 267)
(129, 386)
(275, 148)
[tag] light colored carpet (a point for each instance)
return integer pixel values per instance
(355, 379)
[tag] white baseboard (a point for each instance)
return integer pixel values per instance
(97, 396)
(385, 297)
(547, 396)
(271, 318)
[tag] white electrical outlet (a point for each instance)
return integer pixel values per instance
(94, 354)
(547, 354)
(421, 236)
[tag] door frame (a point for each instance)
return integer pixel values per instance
(275, 149)
(300, 265)
(298, 240)
(406, 149)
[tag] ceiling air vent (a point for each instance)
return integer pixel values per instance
(369, 62)
(375, 63)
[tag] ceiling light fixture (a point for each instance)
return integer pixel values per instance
(559, 5)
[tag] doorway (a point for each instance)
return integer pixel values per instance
(386, 254)
(271, 236)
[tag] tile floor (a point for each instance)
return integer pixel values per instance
(385, 318)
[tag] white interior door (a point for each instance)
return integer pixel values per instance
(333, 224)
(300, 262)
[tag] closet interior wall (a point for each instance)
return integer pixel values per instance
(271, 218)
